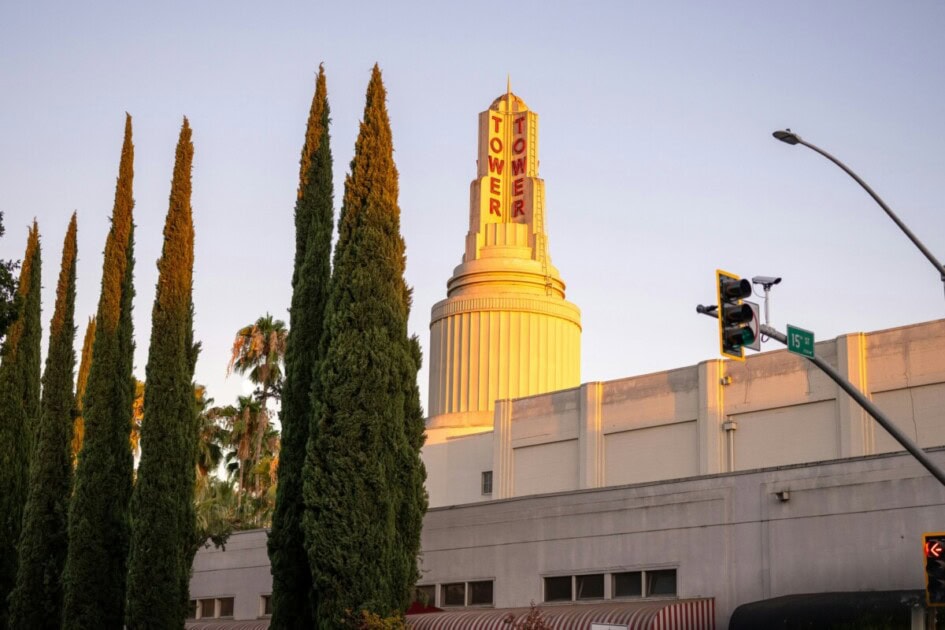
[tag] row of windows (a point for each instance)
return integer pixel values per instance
(212, 608)
(222, 607)
(558, 588)
(651, 583)
(478, 593)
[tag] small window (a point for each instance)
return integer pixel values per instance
(661, 582)
(590, 586)
(454, 594)
(487, 482)
(266, 604)
(480, 593)
(192, 609)
(226, 606)
(628, 584)
(207, 609)
(425, 594)
(558, 589)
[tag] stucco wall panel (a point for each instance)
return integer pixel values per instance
(549, 418)
(917, 411)
(663, 452)
(649, 399)
(542, 468)
(455, 467)
(778, 379)
(907, 356)
(786, 435)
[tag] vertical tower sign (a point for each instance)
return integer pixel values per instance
(507, 162)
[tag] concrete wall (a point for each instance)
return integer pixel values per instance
(241, 572)
(719, 416)
(852, 524)
(459, 463)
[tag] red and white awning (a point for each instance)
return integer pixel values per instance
(685, 614)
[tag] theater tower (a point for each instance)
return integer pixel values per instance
(505, 329)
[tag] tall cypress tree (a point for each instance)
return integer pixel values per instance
(410, 477)
(291, 576)
(94, 577)
(19, 409)
(358, 447)
(159, 530)
(78, 431)
(36, 601)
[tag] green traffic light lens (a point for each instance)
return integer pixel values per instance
(747, 336)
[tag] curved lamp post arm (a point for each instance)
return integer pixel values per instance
(790, 137)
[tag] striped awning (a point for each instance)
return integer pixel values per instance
(683, 614)
(229, 624)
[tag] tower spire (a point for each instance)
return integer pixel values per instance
(505, 329)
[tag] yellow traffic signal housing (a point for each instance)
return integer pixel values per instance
(933, 546)
(735, 317)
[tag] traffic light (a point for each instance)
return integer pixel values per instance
(735, 318)
(934, 547)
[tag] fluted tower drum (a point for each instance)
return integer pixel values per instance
(505, 329)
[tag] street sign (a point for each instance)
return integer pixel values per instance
(800, 341)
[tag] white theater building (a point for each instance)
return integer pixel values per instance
(667, 499)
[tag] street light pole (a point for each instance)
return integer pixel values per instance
(789, 137)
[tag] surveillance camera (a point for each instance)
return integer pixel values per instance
(765, 280)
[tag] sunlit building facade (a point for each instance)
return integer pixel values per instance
(661, 500)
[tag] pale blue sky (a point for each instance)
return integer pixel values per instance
(655, 143)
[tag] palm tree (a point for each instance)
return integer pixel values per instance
(211, 436)
(215, 510)
(137, 417)
(259, 351)
(243, 424)
(255, 480)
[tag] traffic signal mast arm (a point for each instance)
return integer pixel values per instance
(868, 405)
(855, 394)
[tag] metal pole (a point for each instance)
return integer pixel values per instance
(792, 138)
(870, 408)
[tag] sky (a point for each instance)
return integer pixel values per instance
(654, 139)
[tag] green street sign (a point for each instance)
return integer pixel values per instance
(800, 341)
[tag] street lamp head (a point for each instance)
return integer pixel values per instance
(787, 136)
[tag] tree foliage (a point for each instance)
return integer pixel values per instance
(534, 620)
(85, 363)
(361, 448)
(162, 527)
(255, 476)
(259, 352)
(291, 576)
(7, 290)
(96, 563)
(19, 409)
(36, 601)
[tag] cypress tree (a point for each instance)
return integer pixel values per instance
(37, 599)
(19, 409)
(359, 445)
(94, 577)
(159, 532)
(291, 576)
(410, 478)
(78, 432)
